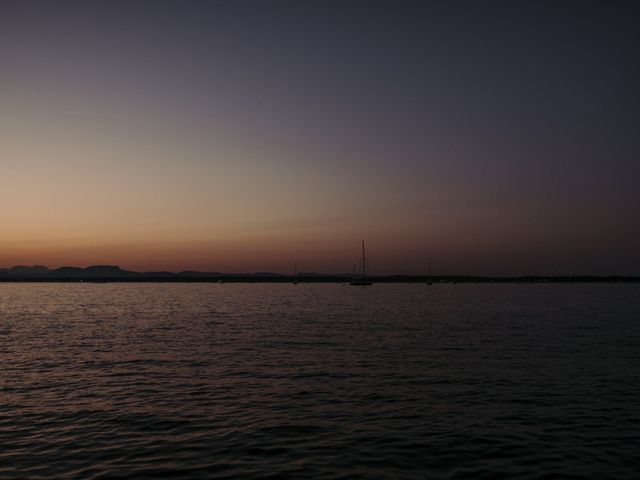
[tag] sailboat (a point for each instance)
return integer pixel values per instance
(429, 281)
(363, 279)
(295, 273)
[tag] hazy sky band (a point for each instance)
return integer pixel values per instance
(494, 137)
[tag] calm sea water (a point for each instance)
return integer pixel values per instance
(319, 381)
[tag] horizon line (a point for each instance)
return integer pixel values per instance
(39, 270)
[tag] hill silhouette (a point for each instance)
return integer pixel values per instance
(24, 270)
(95, 271)
(40, 273)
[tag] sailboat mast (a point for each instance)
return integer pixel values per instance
(362, 280)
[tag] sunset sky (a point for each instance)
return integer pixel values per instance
(494, 137)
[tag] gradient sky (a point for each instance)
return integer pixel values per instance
(494, 137)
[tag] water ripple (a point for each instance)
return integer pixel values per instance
(319, 381)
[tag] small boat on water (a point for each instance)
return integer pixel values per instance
(362, 280)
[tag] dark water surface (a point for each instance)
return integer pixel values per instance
(319, 381)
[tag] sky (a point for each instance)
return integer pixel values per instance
(496, 138)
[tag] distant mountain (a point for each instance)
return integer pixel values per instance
(39, 272)
(192, 273)
(163, 274)
(95, 271)
(106, 273)
(25, 271)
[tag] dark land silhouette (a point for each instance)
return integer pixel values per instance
(113, 273)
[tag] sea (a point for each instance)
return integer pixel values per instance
(319, 381)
